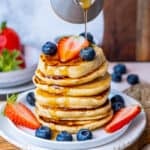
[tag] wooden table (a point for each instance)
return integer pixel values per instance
(140, 92)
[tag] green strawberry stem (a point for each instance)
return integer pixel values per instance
(12, 99)
(3, 26)
(9, 60)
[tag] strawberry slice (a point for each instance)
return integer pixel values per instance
(19, 114)
(122, 117)
(69, 47)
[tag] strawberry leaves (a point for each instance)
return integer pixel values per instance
(9, 61)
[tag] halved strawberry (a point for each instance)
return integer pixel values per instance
(19, 114)
(122, 117)
(69, 47)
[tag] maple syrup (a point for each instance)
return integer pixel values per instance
(85, 5)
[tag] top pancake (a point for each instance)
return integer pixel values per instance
(51, 65)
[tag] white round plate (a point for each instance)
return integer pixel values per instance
(18, 77)
(25, 139)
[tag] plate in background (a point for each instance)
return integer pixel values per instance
(22, 76)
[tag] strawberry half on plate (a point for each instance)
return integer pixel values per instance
(70, 47)
(19, 114)
(122, 117)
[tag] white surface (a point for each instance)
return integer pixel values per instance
(16, 136)
(22, 76)
(141, 69)
(36, 22)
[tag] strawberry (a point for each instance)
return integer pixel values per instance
(9, 39)
(19, 114)
(69, 47)
(122, 117)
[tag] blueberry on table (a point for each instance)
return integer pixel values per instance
(30, 98)
(117, 103)
(116, 77)
(49, 48)
(89, 37)
(84, 134)
(133, 79)
(43, 132)
(64, 136)
(87, 54)
(120, 69)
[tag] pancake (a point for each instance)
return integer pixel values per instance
(75, 128)
(60, 114)
(51, 66)
(45, 99)
(93, 88)
(73, 81)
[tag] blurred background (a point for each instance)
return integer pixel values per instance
(122, 28)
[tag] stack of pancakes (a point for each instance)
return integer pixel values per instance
(73, 95)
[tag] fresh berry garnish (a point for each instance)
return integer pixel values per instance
(120, 69)
(31, 98)
(10, 60)
(70, 47)
(87, 54)
(84, 134)
(64, 136)
(43, 132)
(117, 102)
(116, 77)
(133, 79)
(122, 117)
(9, 39)
(49, 48)
(19, 114)
(89, 36)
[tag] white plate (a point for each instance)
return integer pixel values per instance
(25, 139)
(18, 77)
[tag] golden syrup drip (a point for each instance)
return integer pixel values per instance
(54, 114)
(85, 4)
(54, 134)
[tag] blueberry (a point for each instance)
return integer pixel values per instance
(120, 69)
(87, 53)
(89, 37)
(84, 134)
(49, 48)
(116, 77)
(64, 136)
(30, 98)
(117, 102)
(133, 79)
(43, 132)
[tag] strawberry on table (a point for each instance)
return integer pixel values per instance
(19, 114)
(122, 117)
(70, 47)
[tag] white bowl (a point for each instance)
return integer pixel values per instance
(19, 77)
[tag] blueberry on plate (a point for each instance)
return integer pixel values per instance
(49, 48)
(87, 54)
(116, 77)
(89, 37)
(64, 136)
(120, 69)
(43, 132)
(133, 79)
(84, 134)
(30, 98)
(117, 102)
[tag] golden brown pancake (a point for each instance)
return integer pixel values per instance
(51, 65)
(60, 114)
(92, 125)
(48, 100)
(62, 81)
(93, 88)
